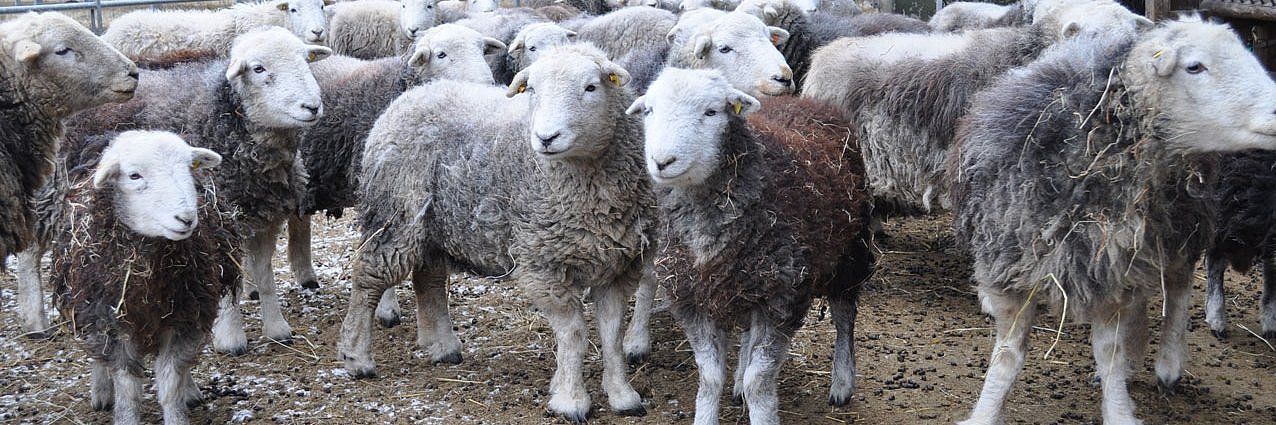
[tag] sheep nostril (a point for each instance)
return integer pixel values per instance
(546, 141)
(311, 108)
(133, 74)
(661, 165)
(784, 81)
(183, 220)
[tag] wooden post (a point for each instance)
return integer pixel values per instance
(1157, 9)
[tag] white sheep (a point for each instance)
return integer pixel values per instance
(144, 252)
(146, 34)
(371, 29)
(50, 67)
(535, 39)
(739, 45)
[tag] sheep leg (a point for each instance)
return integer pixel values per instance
(260, 250)
(843, 309)
(128, 391)
(770, 350)
(1173, 345)
(1215, 298)
(388, 311)
(609, 302)
(638, 334)
(102, 386)
(709, 342)
(1114, 323)
(743, 358)
(380, 265)
(228, 327)
(1013, 315)
(172, 367)
(300, 258)
(568, 397)
(433, 321)
(31, 295)
(1269, 295)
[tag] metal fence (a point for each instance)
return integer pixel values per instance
(97, 14)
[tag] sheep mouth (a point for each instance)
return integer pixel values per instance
(177, 235)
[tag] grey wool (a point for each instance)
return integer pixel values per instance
(634, 38)
(503, 25)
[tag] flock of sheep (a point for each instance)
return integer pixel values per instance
(738, 154)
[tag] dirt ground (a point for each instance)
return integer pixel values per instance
(921, 341)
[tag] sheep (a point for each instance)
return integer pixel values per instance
(502, 25)
(761, 216)
(371, 29)
(50, 67)
(144, 252)
(470, 6)
(1083, 181)
(633, 37)
(448, 185)
(146, 34)
(252, 106)
(965, 15)
(354, 94)
(534, 39)
(739, 45)
(1244, 198)
(907, 92)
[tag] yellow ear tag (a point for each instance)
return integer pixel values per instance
(775, 39)
(311, 57)
(738, 106)
(195, 164)
(522, 88)
(1158, 53)
(615, 79)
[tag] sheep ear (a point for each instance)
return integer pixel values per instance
(638, 106)
(1164, 61)
(673, 33)
(516, 45)
(26, 51)
(617, 75)
(1142, 24)
(204, 158)
(420, 57)
(317, 53)
(519, 84)
(492, 46)
(571, 35)
(778, 35)
(107, 169)
(236, 67)
(1070, 29)
(740, 103)
(770, 12)
(282, 6)
(703, 44)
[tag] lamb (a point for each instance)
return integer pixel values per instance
(354, 94)
(253, 106)
(371, 29)
(761, 216)
(146, 34)
(144, 252)
(965, 15)
(907, 92)
(1083, 181)
(50, 67)
(1244, 197)
(483, 188)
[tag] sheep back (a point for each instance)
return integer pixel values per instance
(367, 29)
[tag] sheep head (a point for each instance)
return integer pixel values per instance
(572, 92)
(416, 17)
(154, 190)
(269, 69)
(72, 67)
(306, 19)
(536, 38)
(454, 52)
(743, 48)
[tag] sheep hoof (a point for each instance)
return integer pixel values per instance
(1220, 334)
(235, 351)
(194, 401)
(285, 340)
(637, 411)
(635, 359)
(839, 401)
(370, 373)
(450, 358)
(310, 284)
(737, 399)
(254, 295)
(103, 405)
(389, 322)
(1167, 387)
(1269, 334)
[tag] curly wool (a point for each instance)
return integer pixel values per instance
(1064, 180)
(29, 135)
(783, 219)
(111, 282)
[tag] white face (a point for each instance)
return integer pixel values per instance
(538, 38)
(686, 114)
(1212, 90)
(57, 52)
(481, 6)
(154, 191)
(270, 69)
(454, 52)
(307, 20)
(416, 17)
(1094, 20)
(740, 46)
(568, 93)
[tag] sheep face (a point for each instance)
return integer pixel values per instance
(416, 17)
(454, 52)
(743, 48)
(570, 91)
(537, 38)
(1208, 92)
(686, 115)
(269, 70)
(481, 6)
(154, 190)
(307, 19)
(78, 69)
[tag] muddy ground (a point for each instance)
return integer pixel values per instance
(921, 340)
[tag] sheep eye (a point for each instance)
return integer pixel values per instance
(62, 51)
(531, 49)
(135, 176)
(1195, 68)
(441, 55)
(725, 49)
(259, 69)
(591, 87)
(710, 113)
(292, 10)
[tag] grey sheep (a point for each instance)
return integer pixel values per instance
(372, 29)
(1083, 182)
(549, 192)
